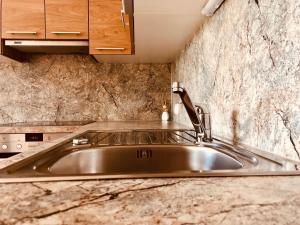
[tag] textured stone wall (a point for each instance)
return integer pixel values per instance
(73, 87)
(244, 66)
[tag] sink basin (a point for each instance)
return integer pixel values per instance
(140, 159)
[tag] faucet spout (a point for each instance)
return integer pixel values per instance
(193, 112)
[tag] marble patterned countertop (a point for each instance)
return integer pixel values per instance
(248, 200)
(231, 200)
(42, 127)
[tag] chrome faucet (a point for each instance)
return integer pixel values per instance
(199, 119)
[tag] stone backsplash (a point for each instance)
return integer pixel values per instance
(75, 87)
(244, 67)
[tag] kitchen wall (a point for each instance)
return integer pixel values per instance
(75, 87)
(244, 66)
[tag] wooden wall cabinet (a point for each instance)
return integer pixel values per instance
(109, 33)
(103, 22)
(23, 19)
(67, 19)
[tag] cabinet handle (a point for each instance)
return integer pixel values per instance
(114, 49)
(122, 17)
(123, 13)
(21, 32)
(61, 32)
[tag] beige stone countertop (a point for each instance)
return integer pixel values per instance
(38, 129)
(42, 127)
(248, 200)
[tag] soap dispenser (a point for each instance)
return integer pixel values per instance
(165, 114)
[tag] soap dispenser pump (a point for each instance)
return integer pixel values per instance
(165, 114)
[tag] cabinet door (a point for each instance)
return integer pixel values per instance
(108, 33)
(23, 19)
(66, 19)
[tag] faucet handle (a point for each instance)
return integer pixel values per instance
(201, 108)
(205, 119)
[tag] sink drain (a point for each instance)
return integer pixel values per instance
(144, 154)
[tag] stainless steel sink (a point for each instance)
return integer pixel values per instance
(140, 159)
(145, 153)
